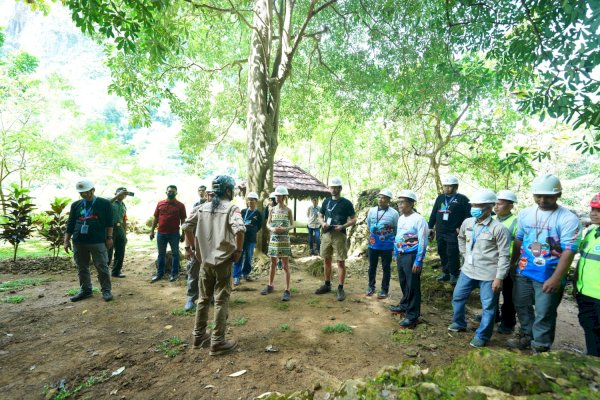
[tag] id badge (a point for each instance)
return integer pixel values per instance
(470, 259)
(84, 229)
(445, 216)
(329, 221)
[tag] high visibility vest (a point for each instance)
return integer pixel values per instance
(510, 223)
(588, 267)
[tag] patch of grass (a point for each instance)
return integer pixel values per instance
(34, 247)
(403, 335)
(239, 321)
(337, 328)
(238, 301)
(211, 325)
(294, 290)
(180, 312)
(74, 291)
(16, 299)
(20, 284)
(313, 301)
(281, 306)
(65, 392)
(170, 347)
(284, 327)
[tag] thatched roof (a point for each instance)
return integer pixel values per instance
(298, 182)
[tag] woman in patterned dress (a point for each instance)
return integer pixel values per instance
(279, 223)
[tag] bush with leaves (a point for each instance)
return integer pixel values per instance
(17, 225)
(52, 228)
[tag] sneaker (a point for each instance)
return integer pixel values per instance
(236, 282)
(202, 341)
(268, 289)
(341, 295)
(223, 347)
(107, 295)
(189, 305)
(286, 295)
(156, 278)
(453, 280)
(476, 342)
(117, 275)
(397, 309)
(81, 296)
(323, 289)
(173, 278)
(454, 327)
(248, 278)
(370, 292)
(503, 330)
(519, 341)
(443, 278)
(382, 295)
(407, 324)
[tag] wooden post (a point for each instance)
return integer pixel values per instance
(294, 216)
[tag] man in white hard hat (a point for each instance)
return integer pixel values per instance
(90, 225)
(253, 222)
(449, 211)
(484, 243)
(547, 238)
(383, 224)
(507, 313)
(337, 214)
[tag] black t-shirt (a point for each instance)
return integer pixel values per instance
(458, 210)
(97, 217)
(338, 210)
(253, 222)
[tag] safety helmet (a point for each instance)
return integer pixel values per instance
(408, 194)
(546, 184)
(507, 195)
(450, 180)
(335, 182)
(221, 183)
(84, 185)
(595, 203)
(281, 191)
(386, 192)
(272, 195)
(252, 195)
(484, 196)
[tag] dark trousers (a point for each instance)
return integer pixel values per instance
(119, 243)
(506, 314)
(386, 261)
(589, 319)
(449, 255)
(410, 283)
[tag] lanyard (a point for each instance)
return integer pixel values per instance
(448, 202)
(251, 215)
(475, 236)
(330, 210)
(87, 211)
(378, 217)
(539, 229)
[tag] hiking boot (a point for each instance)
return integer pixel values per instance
(407, 324)
(397, 309)
(323, 289)
(107, 295)
(236, 282)
(341, 295)
(519, 341)
(202, 341)
(223, 347)
(81, 296)
(286, 295)
(443, 278)
(382, 295)
(248, 278)
(476, 342)
(539, 349)
(268, 289)
(504, 330)
(454, 327)
(453, 280)
(370, 292)
(189, 305)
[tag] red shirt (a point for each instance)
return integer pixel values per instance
(170, 214)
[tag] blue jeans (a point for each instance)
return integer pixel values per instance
(489, 301)
(244, 264)
(538, 324)
(317, 238)
(162, 239)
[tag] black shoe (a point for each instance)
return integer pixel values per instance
(81, 296)
(397, 309)
(323, 289)
(173, 279)
(156, 278)
(118, 275)
(341, 295)
(107, 295)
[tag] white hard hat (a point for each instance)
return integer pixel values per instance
(84, 185)
(335, 182)
(546, 184)
(386, 192)
(272, 195)
(408, 194)
(281, 191)
(450, 180)
(507, 195)
(484, 196)
(252, 195)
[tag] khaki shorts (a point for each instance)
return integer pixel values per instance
(334, 244)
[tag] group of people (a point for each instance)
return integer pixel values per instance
(524, 257)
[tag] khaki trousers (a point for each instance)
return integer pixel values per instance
(215, 280)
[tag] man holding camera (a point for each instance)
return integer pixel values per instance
(119, 231)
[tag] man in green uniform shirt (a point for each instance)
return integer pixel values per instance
(119, 232)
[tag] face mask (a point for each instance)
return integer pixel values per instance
(476, 212)
(171, 195)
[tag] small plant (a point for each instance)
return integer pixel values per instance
(54, 225)
(17, 225)
(65, 393)
(170, 347)
(20, 284)
(211, 325)
(16, 299)
(281, 306)
(180, 312)
(238, 301)
(313, 301)
(294, 290)
(337, 328)
(403, 335)
(284, 327)
(239, 321)
(74, 291)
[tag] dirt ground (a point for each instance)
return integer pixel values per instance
(47, 341)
